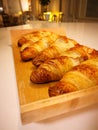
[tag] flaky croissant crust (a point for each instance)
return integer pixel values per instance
(33, 36)
(61, 44)
(54, 69)
(80, 77)
(31, 49)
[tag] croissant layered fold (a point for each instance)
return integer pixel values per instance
(31, 49)
(33, 37)
(60, 45)
(54, 69)
(82, 76)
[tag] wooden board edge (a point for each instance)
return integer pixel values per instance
(55, 106)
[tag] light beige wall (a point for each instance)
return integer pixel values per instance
(5, 6)
(65, 8)
(35, 7)
(13, 6)
(54, 5)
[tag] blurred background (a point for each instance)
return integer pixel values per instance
(18, 12)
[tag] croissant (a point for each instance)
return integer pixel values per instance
(82, 76)
(29, 50)
(54, 69)
(33, 37)
(80, 51)
(61, 44)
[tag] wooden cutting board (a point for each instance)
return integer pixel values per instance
(35, 103)
(28, 92)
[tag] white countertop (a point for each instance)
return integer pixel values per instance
(84, 119)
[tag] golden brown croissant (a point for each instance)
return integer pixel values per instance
(29, 50)
(80, 51)
(33, 37)
(61, 44)
(83, 76)
(54, 69)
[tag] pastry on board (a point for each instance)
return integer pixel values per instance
(33, 36)
(60, 45)
(82, 76)
(59, 58)
(54, 69)
(31, 49)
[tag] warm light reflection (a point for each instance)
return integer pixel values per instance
(53, 16)
(20, 13)
(25, 5)
(1, 9)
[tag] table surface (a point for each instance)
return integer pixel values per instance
(83, 119)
